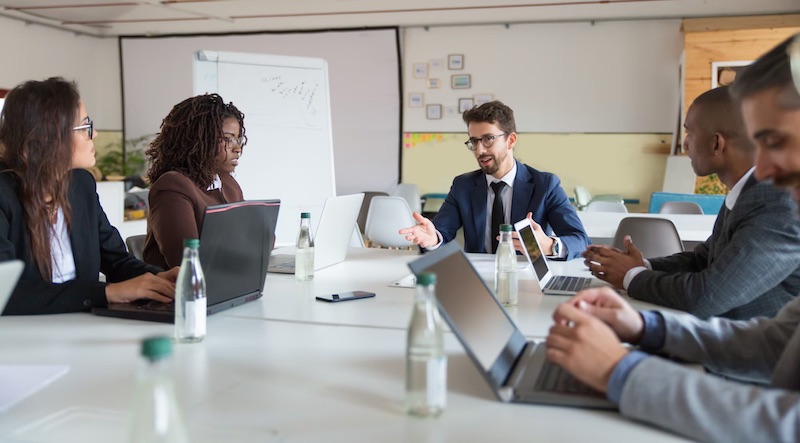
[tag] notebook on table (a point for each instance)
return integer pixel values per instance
(235, 242)
(9, 274)
(515, 368)
(549, 283)
(332, 239)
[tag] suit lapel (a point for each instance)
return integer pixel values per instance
(478, 196)
(79, 245)
(522, 193)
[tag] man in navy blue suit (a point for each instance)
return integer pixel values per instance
(502, 191)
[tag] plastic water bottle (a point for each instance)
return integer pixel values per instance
(304, 252)
(426, 362)
(190, 296)
(505, 269)
(156, 415)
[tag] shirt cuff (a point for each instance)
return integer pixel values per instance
(436, 246)
(560, 247)
(620, 374)
(655, 331)
(629, 276)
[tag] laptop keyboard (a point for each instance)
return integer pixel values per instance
(553, 378)
(566, 283)
(153, 305)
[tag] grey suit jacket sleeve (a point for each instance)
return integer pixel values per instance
(703, 406)
(708, 408)
(757, 251)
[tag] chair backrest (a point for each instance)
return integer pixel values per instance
(410, 192)
(606, 206)
(676, 207)
(386, 216)
(135, 245)
(654, 237)
(362, 214)
(582, 197)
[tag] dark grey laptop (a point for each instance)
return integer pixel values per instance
(235, 243)
(515, 368)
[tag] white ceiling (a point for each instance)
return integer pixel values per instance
(153, 17)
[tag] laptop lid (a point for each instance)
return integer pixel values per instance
(335, 229)
(533, 252)
(488, 334)
(235, 242)
(9, 274)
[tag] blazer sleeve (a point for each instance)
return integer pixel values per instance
(34, 295)
(708, 408)
(564, 221)
(448, 219)
(171, 220)
(762, 251)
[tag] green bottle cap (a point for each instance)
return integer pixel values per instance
(506, 228)
(191, 243)
(426, 278)
(156, 348)
(305, 215)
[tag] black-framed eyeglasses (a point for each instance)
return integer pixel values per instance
(89, 126)
(487, 141)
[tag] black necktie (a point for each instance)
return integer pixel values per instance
(498, 215)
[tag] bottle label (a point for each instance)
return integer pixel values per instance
(437, 381)
(196, 317)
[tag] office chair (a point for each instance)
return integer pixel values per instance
(679, 207)
(583, 198)
(606, 206)
(386, 216)
(135, 244)
(654, 237)
(410, 192)
(362, 214)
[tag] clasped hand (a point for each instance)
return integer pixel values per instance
(611, 264)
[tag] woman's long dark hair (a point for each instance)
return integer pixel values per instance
(190, 136)
(36, 143)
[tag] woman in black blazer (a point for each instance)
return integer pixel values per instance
(50, 215)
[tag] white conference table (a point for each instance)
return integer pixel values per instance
(691, 227)
(255, 380)
(372, 270)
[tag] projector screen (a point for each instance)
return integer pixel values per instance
(364, 77)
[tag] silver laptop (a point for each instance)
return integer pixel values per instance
(515, 368)
(549, 284)
(9, 274)
(334, 232)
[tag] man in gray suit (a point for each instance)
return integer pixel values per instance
(750, 266)
(585, 339)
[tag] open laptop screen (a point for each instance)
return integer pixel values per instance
(534, 253)
(470, 309)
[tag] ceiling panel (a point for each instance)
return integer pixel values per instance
(105, 17)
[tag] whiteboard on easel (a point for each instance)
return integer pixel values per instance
(289, 152)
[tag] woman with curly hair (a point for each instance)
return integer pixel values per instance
(191, 161)
(50, 216)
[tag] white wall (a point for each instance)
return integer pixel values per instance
(609, 77)
(33, 52)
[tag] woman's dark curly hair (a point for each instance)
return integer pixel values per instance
(189, 141)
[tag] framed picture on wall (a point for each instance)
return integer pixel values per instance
(434, 83)
(482, 98)
(455, 62)
(723, 73)
(433, 112)
(461, 81)
(465, 104)
(416, 100)
(420, 70)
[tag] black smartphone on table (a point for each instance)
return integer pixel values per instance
(344, 296)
